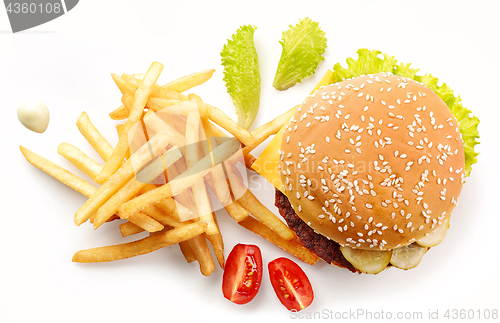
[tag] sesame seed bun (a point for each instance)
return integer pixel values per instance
(374, 162)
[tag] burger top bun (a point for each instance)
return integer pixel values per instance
(374, 162)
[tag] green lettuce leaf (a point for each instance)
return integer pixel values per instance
(242, 75)
(369, 62)
(303, 47)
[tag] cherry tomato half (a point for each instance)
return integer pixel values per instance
(290, 284)
(242, 274)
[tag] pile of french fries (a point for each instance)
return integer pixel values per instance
(161, 184)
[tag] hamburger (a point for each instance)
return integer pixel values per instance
(372, 165)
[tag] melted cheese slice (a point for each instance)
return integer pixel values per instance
(268, 162)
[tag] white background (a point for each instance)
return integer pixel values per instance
(67, 63)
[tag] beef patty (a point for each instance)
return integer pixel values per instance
(326, 249)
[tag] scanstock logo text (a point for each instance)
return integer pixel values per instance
(26, 14)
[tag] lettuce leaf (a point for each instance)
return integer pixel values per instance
(303, 47)
(242, 75)
(369, 62)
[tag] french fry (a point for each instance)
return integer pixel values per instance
(163, 218)
(173, 208)
(123, 85)
(170, 106)
(79, 159)
(140, 247)
(272, 127)
(236, 211)
(90, 167)
(218, 246)
(156, 214)
(189, 81)
(201, 198)
(122, 176)
(163, 192)
(165, 212)
(94, 137)
(179, 85)
(257, 209)
(218, 182)
(217, 175)
(120, 113)
(215, 239)
(156, 91)
(249, 159)
(140, 98)
(208, 111)
(202, 253)
(59, 173)
(290, 246)
(185, 197)
(187, 251)
(63, 175)
(158, 103)
(217, 242)
(219, 155)
(147, 114)
(134, 185)
(114, 217)
(220, 118)
(263, 214)
(155, 123)
(177, 122)
(218, 179)
(183, 181)
(233, 208)
(145, 222)
(128, 229)
(76, 183)
(119, 131)
(123, 111)
(198, 244)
